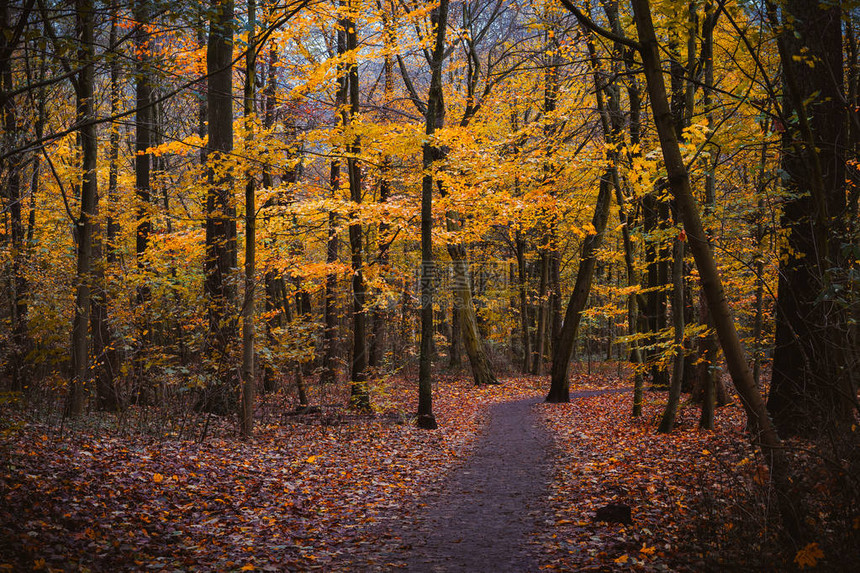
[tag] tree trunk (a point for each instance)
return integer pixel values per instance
(522, 277)
(563, 350)
(542, 316)
(359, 393)
(143, 189)
(89, 197)
(455, 356)
(464, 313)
(435, 117)
(248, 305)
(655, 214)
(635, 302)
(220, 262)
(811, 388)
(329, 366)
(668, 420)
(560, 383)
(705, 378)
(13, 194)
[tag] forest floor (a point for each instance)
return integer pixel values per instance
(506, 484)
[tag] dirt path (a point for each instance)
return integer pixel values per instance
(491, 508)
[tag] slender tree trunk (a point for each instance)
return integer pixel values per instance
(455, 356)
(329, 366)
(359, 393)
(104, 347)
(668, 420)
(144, 139)
(464, 313)
(636, 301)
(542, 312)
(435, 117)
(89, 196)
(271, 323)
(560, 383)
(705, 379)
(203, 87)
(381, 314)
(522, 278)
(249, 304)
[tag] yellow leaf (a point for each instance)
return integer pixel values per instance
(157, 478)
(648, 550)
(311, 459)
(622, 559)
(808, 556)
(247, 567)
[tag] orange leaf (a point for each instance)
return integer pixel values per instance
(808, 556)
(157, 478)
(622, 559)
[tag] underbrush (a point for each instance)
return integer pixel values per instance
(700, 500)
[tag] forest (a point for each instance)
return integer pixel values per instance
(297, 285)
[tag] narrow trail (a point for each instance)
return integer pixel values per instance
(490, 508)
(491, 513)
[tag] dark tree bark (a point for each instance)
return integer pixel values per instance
(13, 168)
(655, 214)
(812, 389)
(272, 322)
(434, 118)
(563, 350)
(104, 349)
(359, 393)
(246, 414)
(220, 261)
(381, 314)
(522, 280)
(668, 420)
(143, 163)
(635, 301)
(560, 383)
(76, 398)
(143, 140)
(705, 378)
(329, 359)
